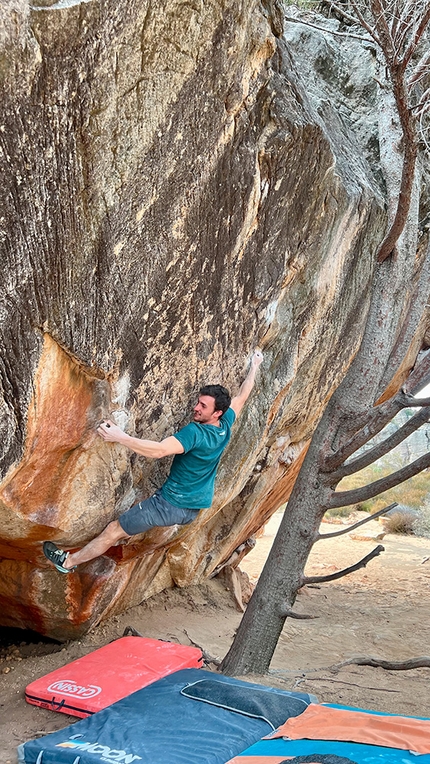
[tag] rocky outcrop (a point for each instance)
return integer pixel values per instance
(179, 184)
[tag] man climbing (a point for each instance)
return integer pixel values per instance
(196, 449)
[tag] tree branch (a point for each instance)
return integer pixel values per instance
(424, 103)
(377, 418)
(420, 69)
(324, 29)
(414, 402)
(206, 656)
(380, 449)
(407, 20)
(356, 495)
(408, 170)
(341, 573)
(423, 129)
(288, 613)
(380, 415)
(416, 38)
(396, 20)
(341, 11)
(356, 525)
(412, 663)
(364, 23)
(413, 318)
(418, 377)
(383, 30)
(408, 126)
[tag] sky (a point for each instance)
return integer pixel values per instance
(425, 392)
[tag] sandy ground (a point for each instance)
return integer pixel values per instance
(381, 611)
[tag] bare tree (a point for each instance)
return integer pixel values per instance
(390, 365)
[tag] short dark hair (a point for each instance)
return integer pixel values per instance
(221, 395)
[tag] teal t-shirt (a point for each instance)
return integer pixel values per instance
(192, 475)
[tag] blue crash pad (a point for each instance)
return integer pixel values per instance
(159, 725)
(358, 752)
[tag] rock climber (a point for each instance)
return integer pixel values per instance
(189, 487)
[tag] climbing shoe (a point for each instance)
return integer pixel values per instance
(56, 556)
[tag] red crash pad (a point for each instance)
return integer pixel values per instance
(106, 675)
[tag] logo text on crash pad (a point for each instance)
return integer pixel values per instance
(74, 690)
(105, 753)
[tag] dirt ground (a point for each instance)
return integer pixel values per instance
(380, 611)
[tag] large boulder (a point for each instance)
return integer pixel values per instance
(180, 183)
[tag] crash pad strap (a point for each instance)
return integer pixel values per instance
(282, 760)
(312, 759)
(270, 706)
(320, 722)
(259, 759)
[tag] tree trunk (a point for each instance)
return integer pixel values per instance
(350, 407)
(280, 580)
(282, 576)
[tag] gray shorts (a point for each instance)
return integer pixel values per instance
(154, 512)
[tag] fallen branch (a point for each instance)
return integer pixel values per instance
(356, 525)
(333, 576)
(299, 616)
(130, 631)
(206, 657)
(339, 681)
(236, 556)
(412, 663)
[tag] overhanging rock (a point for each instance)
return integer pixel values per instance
(173, 194)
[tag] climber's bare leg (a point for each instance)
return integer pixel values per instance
(109, 537)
